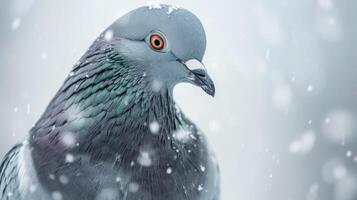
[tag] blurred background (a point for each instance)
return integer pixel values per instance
(284, 120)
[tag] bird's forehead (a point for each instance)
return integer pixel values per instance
(183, 29)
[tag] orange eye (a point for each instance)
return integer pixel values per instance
(157, 42)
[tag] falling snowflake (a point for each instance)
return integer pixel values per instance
(44, 55)
(154, 127)
(133, 187)
(28, 109)
(333, 170)
(52, 176)
(154, 5)
(69, 158)
(107, 194)
(340, 126)
(325, 4)
(310, 88)
(169, 170)
(349, 153)
(33, 188)
(15, 24)
(63, 179)
(156, 85)
(203, 168)
(181, 135)
(214, 125)
(282, 96)
(304, 144)
(144, 159)
(56, 195)
(132, 163)
(313, 192)
(108, 35)
(172, 8)
(200, 187)
(68, 139)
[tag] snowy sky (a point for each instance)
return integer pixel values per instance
(284, 119)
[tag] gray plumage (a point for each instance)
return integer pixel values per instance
(113, 130)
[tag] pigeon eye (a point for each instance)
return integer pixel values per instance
(157, 42)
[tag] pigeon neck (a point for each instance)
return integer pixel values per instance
(104, 106)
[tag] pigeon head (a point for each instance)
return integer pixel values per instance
(165, 43)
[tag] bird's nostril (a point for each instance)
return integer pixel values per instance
(199, 72)
(201, 75)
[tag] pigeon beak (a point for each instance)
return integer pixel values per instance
(200, 76)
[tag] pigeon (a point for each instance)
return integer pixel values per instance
(113, 130)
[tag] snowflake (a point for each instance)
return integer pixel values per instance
(144, 159)
(51, 176)
(200, 187)
(33, 188)
(153, 5)
(108, 35)
(203, 168)
(172, 8)
(310, 88)
(68, 139)
(133, 187)
(304, 144)
(69, 158)
(28, 109)
(107, 193)
(44, 55)
(154, 127)
(63, 179)
(156, 85)
(56, 195)
(15, 24)
(349, 153)
(168, 170)
(181, 135)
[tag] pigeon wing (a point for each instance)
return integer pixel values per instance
(9, 183)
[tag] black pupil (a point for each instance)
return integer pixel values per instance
(157, 42)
